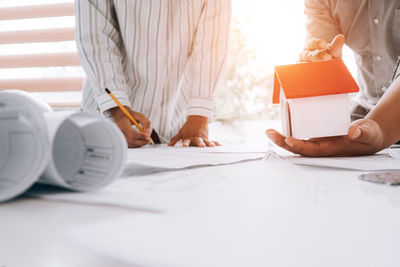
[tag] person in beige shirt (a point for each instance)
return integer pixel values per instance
(372, 30)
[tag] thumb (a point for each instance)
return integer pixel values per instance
(364, 131)
(336, 46)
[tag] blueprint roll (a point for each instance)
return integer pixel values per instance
(24, 143)
(87, 151)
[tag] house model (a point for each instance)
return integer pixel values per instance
(314, 98)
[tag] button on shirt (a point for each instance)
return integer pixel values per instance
(161, 58)
(372, 31)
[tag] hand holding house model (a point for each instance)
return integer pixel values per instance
(314, 98)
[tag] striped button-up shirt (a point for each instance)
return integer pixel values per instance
(372, 30)
(163, 58)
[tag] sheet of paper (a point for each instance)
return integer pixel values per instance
(379, 162)
(163, 178)
(159, 192)
(153, 159)
(269, 215)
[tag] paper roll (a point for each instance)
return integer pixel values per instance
(87, 151)
(72, 149)
(24, 143)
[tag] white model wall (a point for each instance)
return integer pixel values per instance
(320, 116)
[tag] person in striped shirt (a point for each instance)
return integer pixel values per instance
(163, 60)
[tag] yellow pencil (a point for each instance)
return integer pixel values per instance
(126, 112)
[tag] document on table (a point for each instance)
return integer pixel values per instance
(320, 218)
(378, 162)
(175, 180)
(381, 161)
(162, 158)
(159, 192)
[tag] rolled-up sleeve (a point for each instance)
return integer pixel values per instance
(208, 57)
(100, 50)
(320, 22)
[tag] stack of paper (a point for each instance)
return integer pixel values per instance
(173, 183)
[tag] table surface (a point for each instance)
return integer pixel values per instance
(254, 220)
(36, 232)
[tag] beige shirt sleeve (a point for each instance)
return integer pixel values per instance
(320, 22)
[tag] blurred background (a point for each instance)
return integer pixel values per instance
(264, 34)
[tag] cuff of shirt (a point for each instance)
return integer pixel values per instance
(201, 107)
(105, 102)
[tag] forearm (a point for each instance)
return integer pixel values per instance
(387, 114)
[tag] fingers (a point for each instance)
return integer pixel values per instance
(143, 121)
(209, 143)
(315, 43)
(175, 139)
(186, 142)
(278, 139)
(312, 45)
(197, 141)
(312, 148)
(217, 143)
(135, 138)
(364, 138)
(135, 143)
(319, 50)
(194, 141)
(309, 148)
(336, 46)
(313, 56)
(318, 55)
(303, 57)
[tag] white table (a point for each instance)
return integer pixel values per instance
(350, 223)
(33, 233)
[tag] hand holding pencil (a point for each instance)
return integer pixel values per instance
(124, 117)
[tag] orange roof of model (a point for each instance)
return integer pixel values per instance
(313, 79)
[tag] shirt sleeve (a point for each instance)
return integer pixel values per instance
(208, 57)
(100, 51)
(320, 23)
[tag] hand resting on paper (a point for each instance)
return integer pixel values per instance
(194, 133)
(318, 49)
(134, 138)
(365, 137)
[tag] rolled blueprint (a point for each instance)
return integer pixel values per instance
(88, 151)
(72, 149)
(24, 142)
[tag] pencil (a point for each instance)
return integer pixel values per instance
(126, 112)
